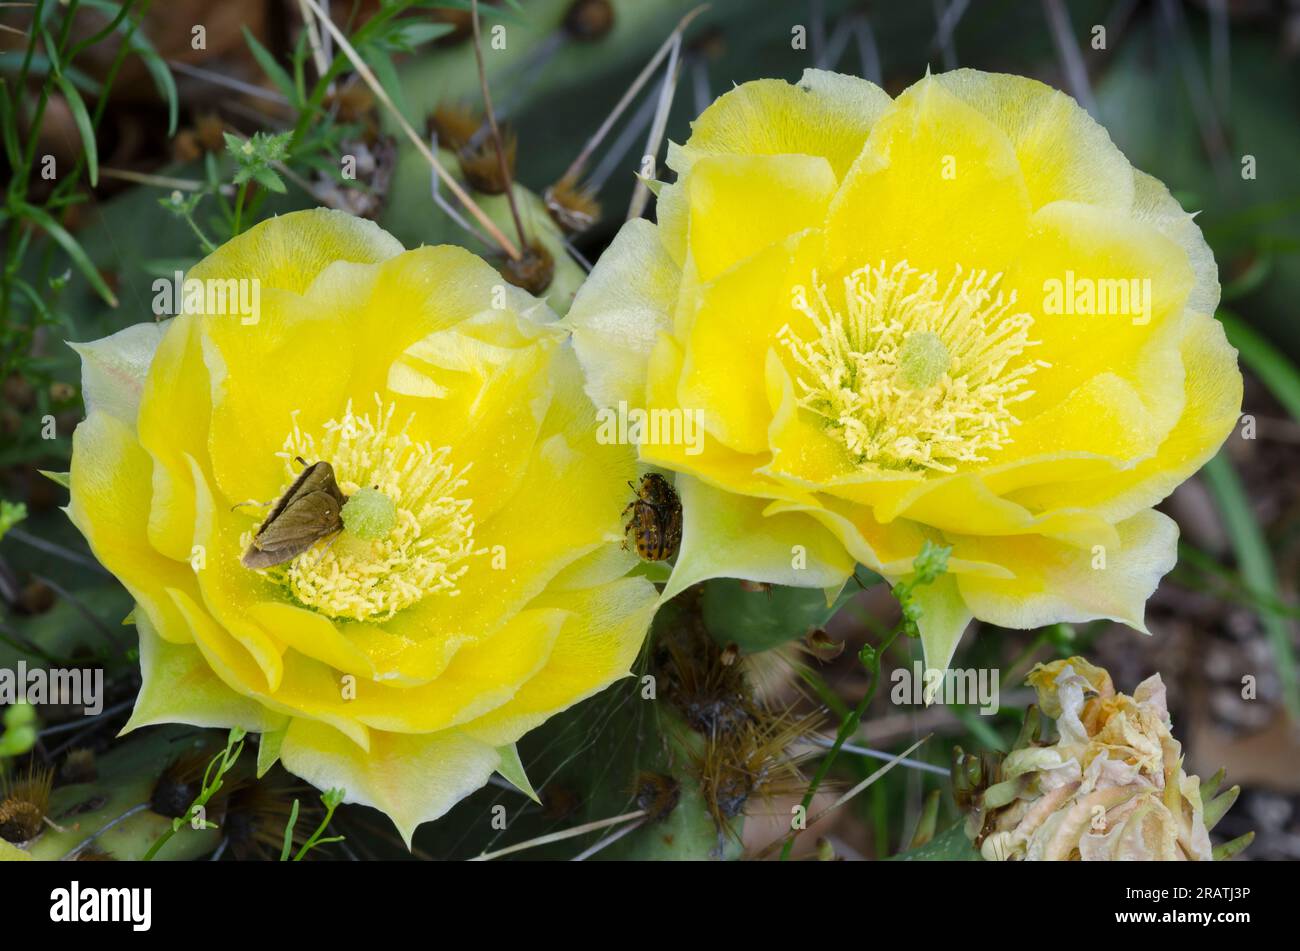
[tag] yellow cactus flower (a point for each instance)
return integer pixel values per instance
(958, 316)
(472, 585)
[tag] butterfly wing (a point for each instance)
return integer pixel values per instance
(305, 519)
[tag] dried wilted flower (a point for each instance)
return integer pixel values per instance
(1111, 787)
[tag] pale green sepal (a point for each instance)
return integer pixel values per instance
(59, 478)
(268, 749)
(511, 769)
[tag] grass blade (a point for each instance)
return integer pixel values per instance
(163, 82)
(274, 71)
(84, 126)
(9, 126)
(1274, 370)
(143, 47)
(1256, 567)
(73, 249)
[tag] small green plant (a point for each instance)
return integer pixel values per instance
(35, 223)
(331, 799)
(929, 564)
(19, 733)
(220, 765)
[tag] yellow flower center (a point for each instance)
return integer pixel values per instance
(910, 373)
(407, 533)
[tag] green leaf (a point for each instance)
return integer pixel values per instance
(382, 64)
(85, 128)
(19, 732)
(274, 71)
(1216, 808)
(411, 33)
(486, 12)
(11, 513)
(760, 620)
(1249, 280)
(948, 846)
(72, 248)
(929, 818)
(1226, 851)
(268, 179)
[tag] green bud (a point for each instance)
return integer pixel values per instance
(922, 360)
(369, 514)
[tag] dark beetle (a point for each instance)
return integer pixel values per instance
(656, 521)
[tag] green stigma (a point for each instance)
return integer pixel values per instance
(369, 514)
(922, 360)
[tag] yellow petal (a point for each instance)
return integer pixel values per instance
(888, 549)
(405, 299)
(572, 493)
(966, 506)
(178, 686)
(936, 185)
(287, 252)
(411, 778)
(480, 678)
(488, 404)
(1055, 582)
(293, 365)
(741, 204)
(704, 456)
(228, 588)
(173, 422)
(730, 536)
(1153, 205)
(826, 114)
(620, 310)
(736, 321)
(110, 489)
(313, 635)
(319, 696)
(113, 369)
(1063, 152)
(1212, 408)
(1075, 247)
(337, 341)
(601, 636)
